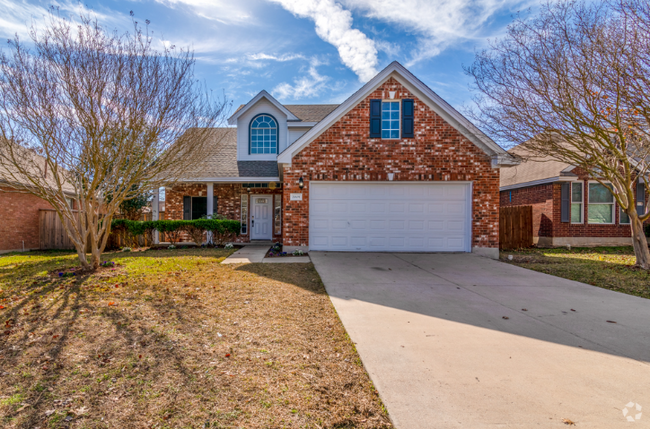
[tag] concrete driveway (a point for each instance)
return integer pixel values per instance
(448, 344)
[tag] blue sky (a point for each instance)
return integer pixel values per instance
(305, 51)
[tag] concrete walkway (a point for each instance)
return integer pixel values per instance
(248, 254)
(460, 341)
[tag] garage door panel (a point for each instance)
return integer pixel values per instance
(339, 224)
(339, 207)
(378, 224)
(358, 241)
(320, 206)
(384, 216)
(340, 241)
(358, 207)
(397, 207)
(357, 224)
(320, 224)
(455, 225)
(377, 208)
(396, 224)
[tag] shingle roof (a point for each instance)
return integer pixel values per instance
(307, 112)
(311, 112)
(531, 169)
(221, 160)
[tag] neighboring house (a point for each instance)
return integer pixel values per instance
(569, 207)
(393, 168)
(19, 214)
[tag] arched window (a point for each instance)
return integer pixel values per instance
(263, 135)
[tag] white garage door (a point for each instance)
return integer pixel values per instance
(389, 216)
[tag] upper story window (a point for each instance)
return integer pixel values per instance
(263, 135)
(390, 119)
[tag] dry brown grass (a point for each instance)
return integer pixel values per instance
(174, 339)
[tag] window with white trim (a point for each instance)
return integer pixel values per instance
(577, 199)
(601, 204)
(263, 135)
(390, 120)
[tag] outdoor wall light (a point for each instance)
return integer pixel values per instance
(301, 183)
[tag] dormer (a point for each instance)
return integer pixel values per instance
(265, 127)
(262, 131)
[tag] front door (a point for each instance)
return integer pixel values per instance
(261, 217)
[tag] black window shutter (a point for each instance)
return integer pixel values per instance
(640, 198)
(407, 117)
(375, 118)
(565, 203)
(214, 205)
(187, 208)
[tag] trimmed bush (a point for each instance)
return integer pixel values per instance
(223, 230)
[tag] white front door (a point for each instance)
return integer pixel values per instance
(261, 217)
(390, 216)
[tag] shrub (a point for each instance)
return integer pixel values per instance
(223, 230)
(647, 230)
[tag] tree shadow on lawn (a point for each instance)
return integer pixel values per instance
(44, 359)
(144, 360)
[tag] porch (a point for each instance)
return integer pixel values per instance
(256, 204)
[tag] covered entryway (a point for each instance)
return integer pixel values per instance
(390, 216)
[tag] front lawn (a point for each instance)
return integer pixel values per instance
(173, 339)
(607, 267)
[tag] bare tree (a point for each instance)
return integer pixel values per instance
(101, 116)
(572, 84)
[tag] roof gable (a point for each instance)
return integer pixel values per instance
(263, 94)
(425, 94)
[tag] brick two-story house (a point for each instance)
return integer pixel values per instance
(392, 168)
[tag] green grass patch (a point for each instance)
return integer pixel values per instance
(610, 268)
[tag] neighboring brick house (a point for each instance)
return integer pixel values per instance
(569, 207)
(393, 168)
(19, 217)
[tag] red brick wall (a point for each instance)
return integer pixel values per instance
(437, 153)
(19, 214)
(229, 201)
(541, 198)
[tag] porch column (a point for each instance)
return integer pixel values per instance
(210, 207)
(155, 204)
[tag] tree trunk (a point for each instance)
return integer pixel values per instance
(640, 242)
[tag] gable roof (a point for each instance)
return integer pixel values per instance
(425, 94)
(220, 164)
(532, 170)
(263, 94)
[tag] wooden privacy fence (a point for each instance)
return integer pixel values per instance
(52, 234)
(515, 227)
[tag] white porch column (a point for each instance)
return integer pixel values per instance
(155, 205)
(210, 207)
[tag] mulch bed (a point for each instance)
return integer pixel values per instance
(174, 339)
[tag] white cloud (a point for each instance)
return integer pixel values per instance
(222, 11)
(334, 25)
(18, 17)
(438, 23)
(307, 86)
(279, 58)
